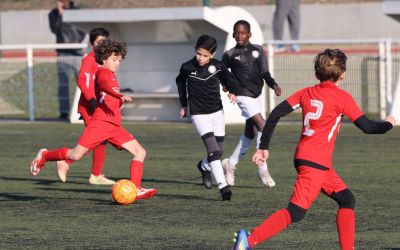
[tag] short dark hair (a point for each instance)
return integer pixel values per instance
(107, 47)
(206, 42)
(330, 64)
(94, 33)
(242, 22)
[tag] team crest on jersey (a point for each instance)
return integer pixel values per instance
(211, 69)
(237, 57)
(255, 53)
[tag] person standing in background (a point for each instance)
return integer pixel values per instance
(289, 9)
(65, 33)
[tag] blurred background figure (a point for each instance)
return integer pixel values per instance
(65, 33)
(289, 9)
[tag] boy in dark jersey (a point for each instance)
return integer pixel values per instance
(105, 124)
(199, 82)
(250, 69)
(323, 107)
(86, 107)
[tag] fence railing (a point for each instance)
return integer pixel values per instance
(29, 48)
(28, 84)
(369, 75)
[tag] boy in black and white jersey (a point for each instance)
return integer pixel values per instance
(198, 85)
(249, 69)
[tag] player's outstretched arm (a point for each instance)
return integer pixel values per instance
(369, 126)
(282, 109)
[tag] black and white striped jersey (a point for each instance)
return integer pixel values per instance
(200, 85)
(249, 67)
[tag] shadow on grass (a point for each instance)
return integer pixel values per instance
(16, 197)
(78, 190)
(38, 181)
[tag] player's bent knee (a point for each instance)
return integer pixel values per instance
(345, 199)
(296, 213)
(214, 156)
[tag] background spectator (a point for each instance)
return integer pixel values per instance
(65, 33)
(289, 9)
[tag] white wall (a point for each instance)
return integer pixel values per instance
(333, 21)
(324, 21)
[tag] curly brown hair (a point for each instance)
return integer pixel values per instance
(330, 64)
(108, 47)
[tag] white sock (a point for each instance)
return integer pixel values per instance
(262, 168)
(240, 150)
(205, 165)
(259, 134)
(218, 173)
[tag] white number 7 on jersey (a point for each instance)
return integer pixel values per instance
(312, 116)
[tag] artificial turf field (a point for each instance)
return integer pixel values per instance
(43, 213)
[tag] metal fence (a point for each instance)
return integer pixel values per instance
(369, 65)
(29, 85)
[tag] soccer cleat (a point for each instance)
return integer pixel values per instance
(229, 172)
(100, 180)
(145, 193)
(62, 170)
(206, 176)
(240, 239)
(226, 193)
(38, 162)
(266, 178)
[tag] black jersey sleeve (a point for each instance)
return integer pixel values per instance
(181, 81)
(268, 79)
(372, 127)
(265, 71)
(282, 109)
(226, 79)
(226, 59)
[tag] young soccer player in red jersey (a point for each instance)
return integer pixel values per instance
(105, 124)
(323, 107)
(86, 107)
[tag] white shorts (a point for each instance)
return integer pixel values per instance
(214, 122)
(250, 106)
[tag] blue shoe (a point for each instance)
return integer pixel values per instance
(295, 48)
(240, 240)
(279, 48)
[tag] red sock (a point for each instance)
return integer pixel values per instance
(69, 162)
(99, 156)
(136, 172)
(345, 220)
(56, 154)
(273, 225)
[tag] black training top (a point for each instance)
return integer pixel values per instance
(249, 67)
(200, 84)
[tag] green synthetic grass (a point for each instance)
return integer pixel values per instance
(43, 213)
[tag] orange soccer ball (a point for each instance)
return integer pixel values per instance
(124, 192)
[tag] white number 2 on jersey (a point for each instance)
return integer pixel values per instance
(312, 116)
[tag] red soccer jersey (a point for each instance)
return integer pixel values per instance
(108, 97)
(85, 82)
(323, 106)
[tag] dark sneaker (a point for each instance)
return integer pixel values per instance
(240, 239)
(206, 176)
(226, 193)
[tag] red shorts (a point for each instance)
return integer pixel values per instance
(98, 131)
(86, 117)
(311, 181)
